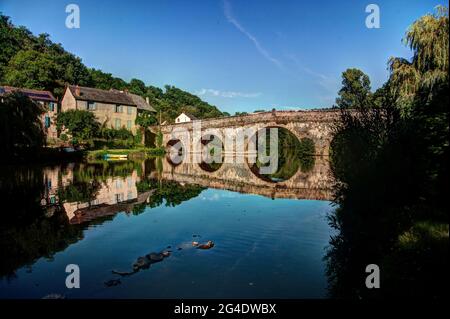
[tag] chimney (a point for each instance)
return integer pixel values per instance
(77, 90)
(147, 100)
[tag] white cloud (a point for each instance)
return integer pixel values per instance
(229, 15)
(227, 94)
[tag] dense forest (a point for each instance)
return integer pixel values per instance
(36, 62)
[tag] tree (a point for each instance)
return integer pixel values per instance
(391, 166)
(355, 91)
(32, 69)
(81, 125)
(137, 87)
(20, 124)
(428, 39)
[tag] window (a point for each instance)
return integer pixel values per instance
(130, 110)
(47, 121)
(91, 106)
(118, 123)
(129, 124)
(51, 106)
(178, 120)
(119, 109)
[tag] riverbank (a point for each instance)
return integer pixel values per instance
(134, 153)
(50, 155)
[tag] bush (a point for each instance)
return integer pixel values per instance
(81, 125)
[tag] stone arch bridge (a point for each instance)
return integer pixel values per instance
(316, 125)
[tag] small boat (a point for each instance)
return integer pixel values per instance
(119, 157)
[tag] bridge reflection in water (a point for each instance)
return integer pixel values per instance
(106, 195)
(316, 183)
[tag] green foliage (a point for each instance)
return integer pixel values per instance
(20, 125)
(170, 192)
(174, 101)
(112, 133)
(391, 165)
(31, 69)
(159, 139)
(428, 39)
(355, 91)
(146, 119)
(81, 125)
(240, 113)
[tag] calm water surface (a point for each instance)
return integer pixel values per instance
(269, 238)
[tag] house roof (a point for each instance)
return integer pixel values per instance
(192, 117)
(35, 95)
(141, 103)
(97, 95)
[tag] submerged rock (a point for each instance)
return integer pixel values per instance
(155, 257)
(141, 263)
(112, 282)
(123, 273)
(208, 245)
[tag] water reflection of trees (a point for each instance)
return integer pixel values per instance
(29, 230)
(293, 154)
(34, 228)
(169, 192)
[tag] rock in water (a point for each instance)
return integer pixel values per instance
(208, 245)
(112, 282)
(155, 257)
(140, 263)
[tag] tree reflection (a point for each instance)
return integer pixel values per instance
(293, 154)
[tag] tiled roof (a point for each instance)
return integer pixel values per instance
(141, 103)
(35, 95)
(97, 95)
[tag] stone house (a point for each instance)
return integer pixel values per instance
(112, 108)
(46, 99)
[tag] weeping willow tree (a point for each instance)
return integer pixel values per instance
(428, 39)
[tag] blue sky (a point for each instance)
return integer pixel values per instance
(238, 55)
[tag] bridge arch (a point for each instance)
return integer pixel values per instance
(212, 151)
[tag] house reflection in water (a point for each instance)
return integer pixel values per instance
(112, 195)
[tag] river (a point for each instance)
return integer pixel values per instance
(269, 236)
